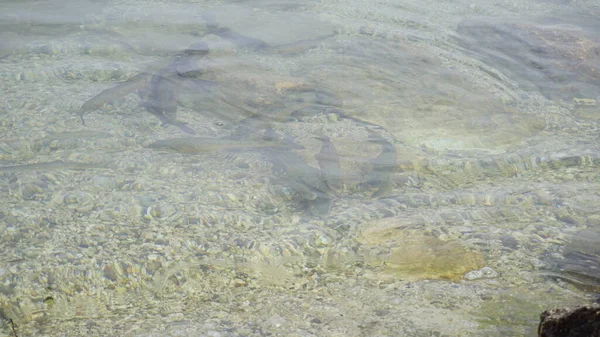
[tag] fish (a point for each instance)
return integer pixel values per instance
(52, 166)
(383, 166)
(195, 145)
(301, 177)
(309, 183)
(329, 162)
(183, 126)
(197, 49)
(113, 93)
(162, 99)
(162, 103)
(238, 39)
(161, 88)
(68, 139)
(331, 104)
(282, 138)
(298, 46)
(260, 120)
(320, 206)
(227, 34)
(251, 43)
(85, 134)
(303, 190)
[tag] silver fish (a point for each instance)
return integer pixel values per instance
(207, 144)
(85, 134)
(111, 94)
(329, 162)
(382, 168)
(301, 177)
(52, 166)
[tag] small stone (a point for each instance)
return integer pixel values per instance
(488, 272)
(566, 217)
(243, 165)
(537, 263)
(30, 191)
(104, 182)
(322, 240)
(146, 201)
(147, 214)
(593, 220)
(276, 321)
(239, 283)
(486, 297)
(111, 272)
(49, 301)
(473, 275)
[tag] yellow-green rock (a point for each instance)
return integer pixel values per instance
(415, 254)
(427, 257)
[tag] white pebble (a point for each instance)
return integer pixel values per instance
(473, 275)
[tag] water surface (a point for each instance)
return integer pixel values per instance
(380, 169)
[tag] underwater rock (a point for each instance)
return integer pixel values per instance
(567, 322)
(417, 255)
(558, 57)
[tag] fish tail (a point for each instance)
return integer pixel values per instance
(81, 113)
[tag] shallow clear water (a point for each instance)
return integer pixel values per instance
(357, 168)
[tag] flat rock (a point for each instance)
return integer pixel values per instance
(417, 255)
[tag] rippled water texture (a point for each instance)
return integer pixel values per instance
(302, 168)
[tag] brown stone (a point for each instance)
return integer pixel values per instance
(571, 322)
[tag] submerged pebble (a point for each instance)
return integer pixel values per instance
(485, 272)
(103, 182)
(31, 191)
(79, 201)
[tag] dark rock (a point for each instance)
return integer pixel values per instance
(558, 57)
(566, 322)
